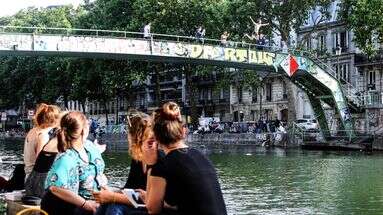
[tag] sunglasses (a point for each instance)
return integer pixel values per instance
(134, 115)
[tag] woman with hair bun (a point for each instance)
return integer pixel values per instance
(77, 172)
(184, 178)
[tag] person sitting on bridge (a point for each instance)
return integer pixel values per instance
(224, 38)
(200, 34)
(147, 34)
(261, 42)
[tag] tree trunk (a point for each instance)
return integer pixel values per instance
(129, 98)
(158, 86)
(191, 91)
(106, 113)
(117, 108)
(292, 114)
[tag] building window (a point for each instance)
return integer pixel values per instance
(240, 94)
(201, 92)
(322, 43)
(254, 95)
(371, 80)
(111, 108)
(342, 72)
(222, 114)
(308, 43)
(209, 94)
(340, 39)
(221, 93)
(268, 92)
(253, 115)
(122, 104)
(268, 114)
(284, 90)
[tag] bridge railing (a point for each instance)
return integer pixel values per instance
(349, 89)
(128, 34)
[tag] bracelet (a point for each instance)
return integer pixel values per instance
(83, 204)
(114, 198)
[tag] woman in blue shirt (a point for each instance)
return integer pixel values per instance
(77, 172)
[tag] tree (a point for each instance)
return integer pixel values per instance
(30, 80)
(365, 18)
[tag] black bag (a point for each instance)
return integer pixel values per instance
(17, 180)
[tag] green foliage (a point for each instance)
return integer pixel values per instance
(36, 79)
(365, 18)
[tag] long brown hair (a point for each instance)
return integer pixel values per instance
(72, 127)
(139, 128)
(168, 125)
(47, 115)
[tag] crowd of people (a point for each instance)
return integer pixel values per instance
(66, 170)
(12, 133)
(261, 126)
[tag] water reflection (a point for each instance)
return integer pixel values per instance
(274, 181)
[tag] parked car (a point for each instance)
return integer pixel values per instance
(307, 124)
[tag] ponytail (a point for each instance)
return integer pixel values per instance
(139, 128)
(72, 126)
(62, 143)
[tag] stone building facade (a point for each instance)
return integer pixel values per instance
(332, 43)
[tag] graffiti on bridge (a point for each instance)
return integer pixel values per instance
(55, 43)
(210, 52)
(15, 42)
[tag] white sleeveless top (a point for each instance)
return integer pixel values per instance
(30, 147)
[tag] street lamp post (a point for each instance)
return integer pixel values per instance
(260, 97)
(338, 52)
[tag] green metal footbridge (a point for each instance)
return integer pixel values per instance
(315, 78)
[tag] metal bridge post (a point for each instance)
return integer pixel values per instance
(151, 44)
(248, 54)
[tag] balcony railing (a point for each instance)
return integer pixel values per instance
(373, 99)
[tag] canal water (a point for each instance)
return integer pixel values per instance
(274, 181)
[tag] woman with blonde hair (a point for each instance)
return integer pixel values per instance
(140, 137)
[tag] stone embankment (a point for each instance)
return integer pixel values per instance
(118, 142)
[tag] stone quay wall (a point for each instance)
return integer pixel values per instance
(118, 142)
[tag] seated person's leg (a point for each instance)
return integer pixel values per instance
(121, 209)
(54, 205)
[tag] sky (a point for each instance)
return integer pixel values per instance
(10, 7)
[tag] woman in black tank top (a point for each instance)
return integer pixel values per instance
(34, 185)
